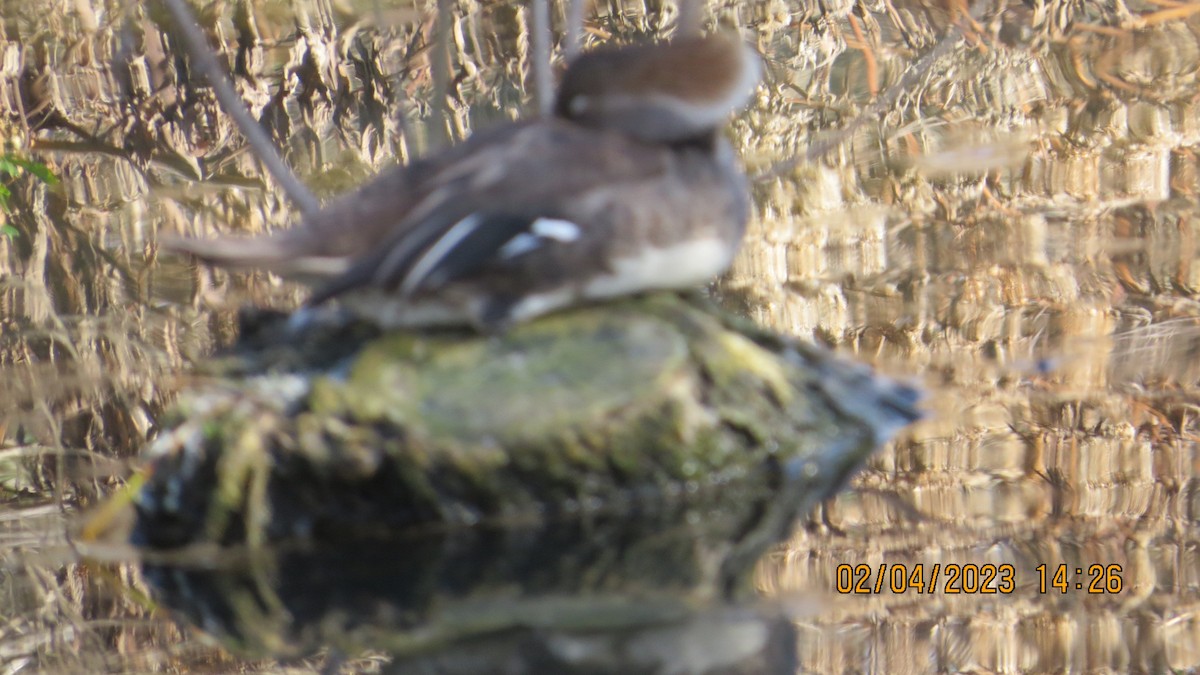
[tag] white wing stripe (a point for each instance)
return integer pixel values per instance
(519, 245)
(556, 229)
(446, 243)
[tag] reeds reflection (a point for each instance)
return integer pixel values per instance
(1047, 299)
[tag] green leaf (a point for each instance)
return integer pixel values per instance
(8, 166)
(43, 172)
(9, 231)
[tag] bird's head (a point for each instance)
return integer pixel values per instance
(663, 93)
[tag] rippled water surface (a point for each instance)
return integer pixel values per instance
(997, 201)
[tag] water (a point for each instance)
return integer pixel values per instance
(1014, 226)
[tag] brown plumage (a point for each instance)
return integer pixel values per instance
(629, 187)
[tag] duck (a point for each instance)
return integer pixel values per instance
(627, 187)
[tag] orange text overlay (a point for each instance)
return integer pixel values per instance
(987, 579)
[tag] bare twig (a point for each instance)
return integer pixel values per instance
(691, 18)
(573, 32)
(204, 60)
(540, 48)
(439, 62)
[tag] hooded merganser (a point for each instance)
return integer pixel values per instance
(627, 187)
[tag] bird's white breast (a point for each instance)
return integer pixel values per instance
(680, 266)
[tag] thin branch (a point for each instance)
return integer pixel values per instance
(573, 36)
(540, 47)
(205, 61)
(439, 62)
(691, 18)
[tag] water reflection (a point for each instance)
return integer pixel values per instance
(608, 595)
(1018, 226)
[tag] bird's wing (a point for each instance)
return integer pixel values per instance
(352, 224)
(497, 172)
(504, 203)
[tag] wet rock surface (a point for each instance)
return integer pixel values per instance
(615, 408)
(589, 492)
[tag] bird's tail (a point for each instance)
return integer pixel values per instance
(277, 253)
(229, 251)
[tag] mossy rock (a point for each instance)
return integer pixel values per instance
(612, 407)
(606, 476)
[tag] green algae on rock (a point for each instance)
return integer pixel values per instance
(605, 408)
(588, 493)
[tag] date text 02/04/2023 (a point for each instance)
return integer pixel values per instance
(974, 579)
